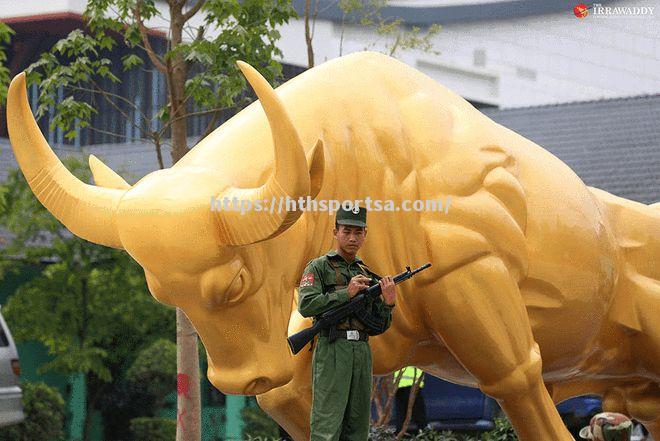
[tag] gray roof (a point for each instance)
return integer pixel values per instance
(455, 13)
(611, 144)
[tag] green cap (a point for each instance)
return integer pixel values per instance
(352, 217)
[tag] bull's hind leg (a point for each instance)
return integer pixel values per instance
(643, 404)
(643, 399)
(478, 312)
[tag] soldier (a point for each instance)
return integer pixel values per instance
(341, 369)
(608, 426)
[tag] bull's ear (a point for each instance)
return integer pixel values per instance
(316, 165)
(104, 176)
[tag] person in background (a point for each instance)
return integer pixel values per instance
(608, 426)
(418, 416)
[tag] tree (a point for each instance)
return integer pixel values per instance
(5, 37)
(89, 307)
(155, 366)
(44, 411)
(383, 393)
(204, 40)
(397, 34)
(141, 392)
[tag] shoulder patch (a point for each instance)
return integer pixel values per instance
(307, 280)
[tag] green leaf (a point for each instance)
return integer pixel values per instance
(131, 61)
(163, 114)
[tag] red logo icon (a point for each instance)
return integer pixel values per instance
(307, 280)
(580, 10)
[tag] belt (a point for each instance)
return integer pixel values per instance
(348, 334)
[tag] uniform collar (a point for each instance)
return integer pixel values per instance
(334, 253)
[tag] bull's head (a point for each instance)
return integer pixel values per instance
(200, 260)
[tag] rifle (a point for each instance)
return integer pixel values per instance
(335, 315)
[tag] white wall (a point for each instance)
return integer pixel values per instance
(545, 59)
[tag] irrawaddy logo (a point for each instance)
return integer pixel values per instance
(598, 10)
(580, 10)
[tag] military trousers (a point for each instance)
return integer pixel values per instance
(341, 390)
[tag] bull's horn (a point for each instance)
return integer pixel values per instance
(290, 176)
(106, 177)
(86, 210)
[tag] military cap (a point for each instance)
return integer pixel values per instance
(608, 426)
(357, 216)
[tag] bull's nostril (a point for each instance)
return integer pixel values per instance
(258, 386)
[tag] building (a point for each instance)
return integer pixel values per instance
(509, 53)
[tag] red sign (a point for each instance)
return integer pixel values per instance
(183, 385)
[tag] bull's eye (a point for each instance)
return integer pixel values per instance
(237, 288)
(218, 289)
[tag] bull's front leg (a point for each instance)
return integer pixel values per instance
(290, 405)
(478, 312)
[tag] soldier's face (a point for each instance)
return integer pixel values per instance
(350, 238)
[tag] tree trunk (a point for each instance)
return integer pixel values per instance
(188, 427)
(177, 72)
(87, 422)
(411, 401)
(188, 395)
(308, 36)
(90, 405)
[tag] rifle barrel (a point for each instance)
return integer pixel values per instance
(421, 268)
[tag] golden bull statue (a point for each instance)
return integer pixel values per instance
(541, 288)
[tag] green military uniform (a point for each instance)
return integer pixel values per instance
(342, 369)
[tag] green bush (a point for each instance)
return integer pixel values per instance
(503, 431)
(44, 410)
(446, 435)
(382, 433)
(153, 429)
(155, 366)
(141, 391)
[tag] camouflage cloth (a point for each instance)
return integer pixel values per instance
(608, 426)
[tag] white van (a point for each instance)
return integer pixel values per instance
(11, 397)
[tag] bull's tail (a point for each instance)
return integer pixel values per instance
(636, 228)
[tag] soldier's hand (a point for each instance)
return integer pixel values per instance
(357, 284)
(388, 291)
